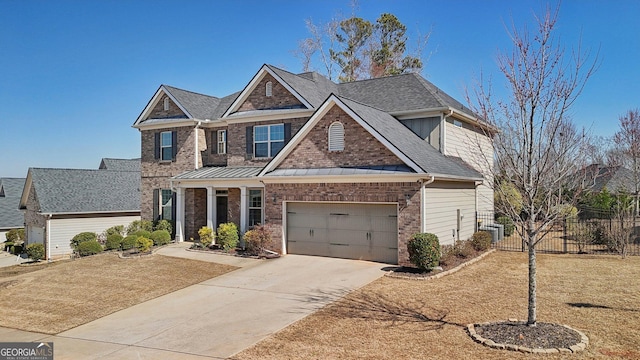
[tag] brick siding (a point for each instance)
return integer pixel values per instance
(281, 97)
(174, 112)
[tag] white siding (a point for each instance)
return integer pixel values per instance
(476, 149)
(441, 211)
(3, 236)
(63, 230)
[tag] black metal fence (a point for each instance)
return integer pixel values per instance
(602, 234)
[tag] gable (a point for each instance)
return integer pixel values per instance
(361, 148)
(173, 112)
(281, 97)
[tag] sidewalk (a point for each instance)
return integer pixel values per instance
(7, 259)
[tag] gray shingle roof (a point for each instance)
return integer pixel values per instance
(313, 87)
(86, 191)
(614, 178)
(200, 106)
(430, 160)
(120, 164)
(221, 172)
(10, 193)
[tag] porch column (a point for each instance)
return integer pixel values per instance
(244, 209)
(179, 214)
(211, 207)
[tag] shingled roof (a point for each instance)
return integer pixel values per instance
(120, 164)
(83, 191)
(10, 191)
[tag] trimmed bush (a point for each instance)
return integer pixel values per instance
(228, 236)
(143, 244)
(83, 237)
(15, 235)
(206, 236)
(114, 241)
(90, 247)
(35, 251)
(129, 242)
(509, 227)
(164, 225)
(143, 233)
(424, 250)
(256, 239)
(118, 229)
(138, 225)
(160, 237)
(481, 240)
(17, 249)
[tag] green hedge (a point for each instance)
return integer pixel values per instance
(424, 250)
(91, 247)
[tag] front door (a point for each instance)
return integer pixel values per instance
(221, 210)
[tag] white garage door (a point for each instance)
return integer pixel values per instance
(344, 230)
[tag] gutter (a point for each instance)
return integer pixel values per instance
(423, 201)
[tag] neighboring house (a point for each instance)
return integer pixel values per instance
(120, 164)
(613, 178)
(346, 170)
(10, 216)
(60, 203)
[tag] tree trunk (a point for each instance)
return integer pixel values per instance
(531, 319)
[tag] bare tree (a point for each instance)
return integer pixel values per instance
(538, 149)
(628, 141)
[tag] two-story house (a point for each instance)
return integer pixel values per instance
(346, 170)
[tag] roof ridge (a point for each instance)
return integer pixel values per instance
(424, 82)
(189, 91)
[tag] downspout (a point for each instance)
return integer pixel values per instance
(47, 227)
(423, 200)
(195, 153)
(443, 132)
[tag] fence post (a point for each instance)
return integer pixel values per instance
(564, 237)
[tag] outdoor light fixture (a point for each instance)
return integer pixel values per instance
(407, 197)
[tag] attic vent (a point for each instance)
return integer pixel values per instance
(268, 88)
(336, 137)
(166, 103)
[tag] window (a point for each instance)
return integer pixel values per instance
(166, 204)
(268, 140)
(222, 141)
(336, 137)
(166, 103)
(268, 89)
(255, 207)
(166, 146)
(457, 123)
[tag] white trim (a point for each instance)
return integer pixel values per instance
(217, 183)
(154, 101)
(308, 126)
(335, 141)
(165, 123)
(254, 83)
(211, 207)
(265, 115)
(244, 209)
(384, 178)
(179, 214)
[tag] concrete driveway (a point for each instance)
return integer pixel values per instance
(218, 317)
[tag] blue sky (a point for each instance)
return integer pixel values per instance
(74, 75)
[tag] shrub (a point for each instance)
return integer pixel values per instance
(16, 249)
(138, 225)
(164, 225)
(7, 245)
(114, 241)
(257, 239)
(228, 236)
(206, 236)
(15, 235)
(143, 233)
(463, 249)
(509, 227)
(35, 251)
(83, 237)
(160, 237)
(424, 250)
(481, 240)
(129, 242)
(143, 244)
(117, 229)
(90, 247)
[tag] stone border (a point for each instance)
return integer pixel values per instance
(584, 341)
(392, 274)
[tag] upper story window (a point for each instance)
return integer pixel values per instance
(166, 146)
(457, 123)
(166, 103)
(222, 141)
(268, 89)
(267, 140)
(336, 136)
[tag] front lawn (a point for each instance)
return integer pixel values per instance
(408, 319)
(53, 297)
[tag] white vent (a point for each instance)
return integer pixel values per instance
(268, 88)
(336, 137)
(166, 103)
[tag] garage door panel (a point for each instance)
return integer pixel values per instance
(352, 230)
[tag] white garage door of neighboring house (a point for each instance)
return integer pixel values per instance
(343, 230)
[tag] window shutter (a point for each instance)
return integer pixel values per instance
(249, 142)
(214, 142)
(287, 132)
(157, 146)
(156, 204)
(174, 145)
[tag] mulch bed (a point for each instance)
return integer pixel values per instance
(541, 336)
(216, 249)
(452, 262)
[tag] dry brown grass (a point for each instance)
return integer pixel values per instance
(51, 298)
(405, 319)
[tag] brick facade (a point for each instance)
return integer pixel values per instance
(31, 216)
(281, 98)
(361, 148)
(174, 112)
(195, 212)
(408, 214)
